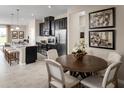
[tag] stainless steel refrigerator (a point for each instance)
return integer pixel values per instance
(61, 41)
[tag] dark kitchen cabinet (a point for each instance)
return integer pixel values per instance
(56, 24)
(49, 25)
(61, 23)
(47, 28)
(31, 54)
(41, 29)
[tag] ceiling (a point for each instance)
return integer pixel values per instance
(28, 12)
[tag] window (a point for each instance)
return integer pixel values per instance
(3, 35)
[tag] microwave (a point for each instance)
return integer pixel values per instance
(51, 40)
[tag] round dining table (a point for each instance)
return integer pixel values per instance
(87, 63)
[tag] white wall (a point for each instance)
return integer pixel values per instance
(32, 32)
(73, 31)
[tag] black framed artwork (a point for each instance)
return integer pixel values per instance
(81, 34)
(14, 35)
(102, 18)
(102, 39)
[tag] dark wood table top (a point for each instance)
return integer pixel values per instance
(87, 64)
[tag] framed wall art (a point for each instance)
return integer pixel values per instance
(14, 35)
(81, 34)
(102, 18)
(102, 39)
(21, 34)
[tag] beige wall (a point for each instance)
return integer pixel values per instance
(73, 31)
(9, 33)
(22, 28)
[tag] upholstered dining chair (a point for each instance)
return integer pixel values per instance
(113, 57)
(57, 78)
(108, 81)
(52, 54)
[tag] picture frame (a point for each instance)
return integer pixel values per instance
(81, 34)
(102, 39)
(21, 34)
(102, 18)
(14, 35)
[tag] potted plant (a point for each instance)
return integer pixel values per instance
(79, 50)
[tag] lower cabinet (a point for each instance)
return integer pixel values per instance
(31, 54)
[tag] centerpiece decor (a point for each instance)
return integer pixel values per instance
(79, 50)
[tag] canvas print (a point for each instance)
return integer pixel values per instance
(21, 34)
(102, 39)
(102, 19)
(14, 35)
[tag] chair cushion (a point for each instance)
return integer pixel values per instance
(92, 82)
(70, 81)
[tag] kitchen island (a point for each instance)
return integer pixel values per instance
(27, 54)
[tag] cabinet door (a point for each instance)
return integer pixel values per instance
(65, 23)
(31, 54)
(41, 29)
(56, 24)
(60, 23)
(46, 25)
(52, 28)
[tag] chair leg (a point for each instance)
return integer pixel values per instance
(49, 86)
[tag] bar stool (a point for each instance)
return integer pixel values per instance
(12, 55)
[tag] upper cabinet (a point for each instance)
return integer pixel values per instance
(50, 25)
(47, 28)
(61, 23)
(41, 32)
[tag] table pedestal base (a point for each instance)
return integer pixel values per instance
(83, 75)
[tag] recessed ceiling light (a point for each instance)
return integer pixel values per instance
(49, 6)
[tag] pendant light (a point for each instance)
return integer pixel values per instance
(17, 26)
(12, 29)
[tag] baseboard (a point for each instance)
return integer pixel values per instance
(121, 83)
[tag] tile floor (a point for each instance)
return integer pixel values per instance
(29, 76)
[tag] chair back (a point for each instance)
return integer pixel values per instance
(55, 72)
(113, 57)
(52, 54)
(110, 77)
